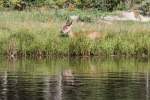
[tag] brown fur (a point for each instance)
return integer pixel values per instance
(93, 35)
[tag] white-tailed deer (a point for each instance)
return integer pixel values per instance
(67, 31)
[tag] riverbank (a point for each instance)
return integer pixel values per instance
(37, 33)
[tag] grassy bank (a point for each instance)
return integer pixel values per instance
(36, 33)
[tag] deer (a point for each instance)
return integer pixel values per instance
(67, 31)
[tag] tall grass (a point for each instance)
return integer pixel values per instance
(36, 33)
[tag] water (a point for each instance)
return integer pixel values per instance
(75, 79)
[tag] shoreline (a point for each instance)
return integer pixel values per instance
(75, 57)
(37, 33)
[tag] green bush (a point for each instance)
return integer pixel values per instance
(145, 7)
(103, 5)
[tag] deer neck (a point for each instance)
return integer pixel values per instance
(70, 34)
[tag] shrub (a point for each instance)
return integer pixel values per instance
(145, 7)
(104, 5)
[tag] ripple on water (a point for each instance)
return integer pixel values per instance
(73, 83)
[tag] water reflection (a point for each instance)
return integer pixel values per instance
(75, 79)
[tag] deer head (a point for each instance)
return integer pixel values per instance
(67, 28)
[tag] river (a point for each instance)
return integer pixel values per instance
(75, 79)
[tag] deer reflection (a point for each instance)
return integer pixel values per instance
(68, 77)
(3, 86)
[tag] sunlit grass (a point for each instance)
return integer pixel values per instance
(37, 32)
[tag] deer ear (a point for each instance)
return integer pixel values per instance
(69, 22)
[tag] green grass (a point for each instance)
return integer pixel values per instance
(36, 33)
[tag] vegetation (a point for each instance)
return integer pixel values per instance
(37, 33)
(145, 7)
(104, 5)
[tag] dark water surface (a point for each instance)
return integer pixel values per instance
(75, 79)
